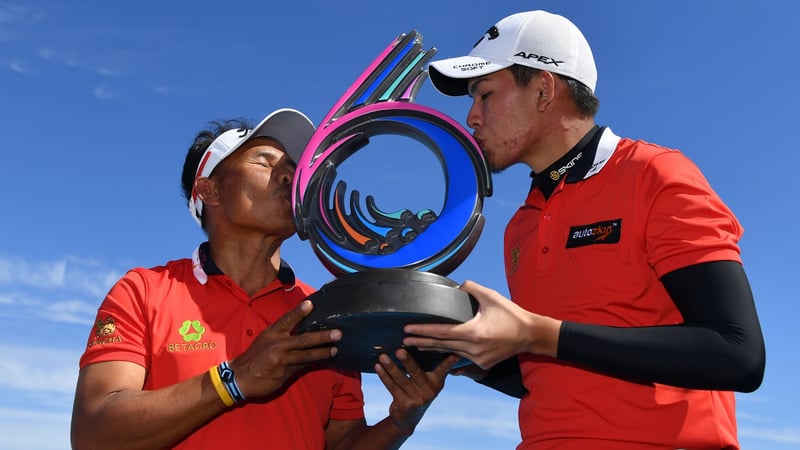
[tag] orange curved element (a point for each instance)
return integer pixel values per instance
(360, 238)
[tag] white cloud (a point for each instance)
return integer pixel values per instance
(67, 290)
(787, 435)
(27, 306)
(40, 274)
(161, 89)
(38, 369)
(106, 72)
(71, 311)
(24, 429)
(71, 60)
(71, 273)
(12, 13)
(19, 67)
(49, 54)
(453, 411)
(104, 93)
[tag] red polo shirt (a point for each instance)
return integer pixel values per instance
(627, 213)
(178, 322)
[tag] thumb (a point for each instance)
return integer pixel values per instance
(477, 291)
(289, 321)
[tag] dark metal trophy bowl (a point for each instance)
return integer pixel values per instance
(391, 267)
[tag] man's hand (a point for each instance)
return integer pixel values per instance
(500, 330)
(413, 392)
(276, 355)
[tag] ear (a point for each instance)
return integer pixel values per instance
(545, 89)
(206, 189)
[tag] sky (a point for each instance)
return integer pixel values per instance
(99, 101)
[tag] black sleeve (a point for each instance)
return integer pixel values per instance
(505, 377)
(719, 346)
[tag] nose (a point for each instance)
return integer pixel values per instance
(284, 172)
(473, 117)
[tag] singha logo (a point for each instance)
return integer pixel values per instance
(105, 327)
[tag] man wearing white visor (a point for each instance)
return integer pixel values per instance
(631, 318)
(199, 353)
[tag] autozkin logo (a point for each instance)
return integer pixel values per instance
(606, 232)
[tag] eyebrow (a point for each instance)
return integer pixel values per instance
(275, 153)
(263, 153)
(471, 87)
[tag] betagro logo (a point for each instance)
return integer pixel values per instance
(192, 332)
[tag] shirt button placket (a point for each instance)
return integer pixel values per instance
(545, 223)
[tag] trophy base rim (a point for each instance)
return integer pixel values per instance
(372, 307)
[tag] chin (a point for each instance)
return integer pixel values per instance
(287, 231)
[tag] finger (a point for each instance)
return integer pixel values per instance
(434, 344)
(476, 290)
(446, 365)
(289, 321)
(457, 354)
(415, 373)
(390, 375)
(419, 378)
(436, 330)
(310, 355)
(312, 339)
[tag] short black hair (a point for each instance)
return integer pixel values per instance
(583, 97)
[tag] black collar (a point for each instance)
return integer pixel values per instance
(285, 271)
(574, 165)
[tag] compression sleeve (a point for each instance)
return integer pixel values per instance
(719, 346)
(505, 377)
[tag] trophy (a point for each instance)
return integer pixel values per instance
(390, 267)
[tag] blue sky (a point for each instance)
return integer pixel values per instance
(99, 101)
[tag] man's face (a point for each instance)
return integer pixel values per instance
(255, 187)
(503, 118)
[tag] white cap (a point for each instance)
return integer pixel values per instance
(291, 128)
(537, 39)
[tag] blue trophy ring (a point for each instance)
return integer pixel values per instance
(424, 240)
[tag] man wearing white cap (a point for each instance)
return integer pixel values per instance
(199, 353)
(632, 319)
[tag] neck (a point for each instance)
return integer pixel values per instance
(559, 138)
(251, 263)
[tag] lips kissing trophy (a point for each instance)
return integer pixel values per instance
(391, 267)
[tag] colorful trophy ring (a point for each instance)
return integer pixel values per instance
(391, 267)
(374, 239)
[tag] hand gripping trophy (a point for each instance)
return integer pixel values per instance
(391, 267)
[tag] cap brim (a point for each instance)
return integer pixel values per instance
(291, 128)
(451, 76)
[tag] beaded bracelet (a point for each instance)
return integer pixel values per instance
(221, 390)
(229, 380)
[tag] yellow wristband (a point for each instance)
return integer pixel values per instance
(221, 391)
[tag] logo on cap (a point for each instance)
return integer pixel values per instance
(542, 59)
(493, 33)
(473, 66)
